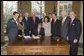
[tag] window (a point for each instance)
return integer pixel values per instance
(37, 6)
(63, 5)
(8, 8)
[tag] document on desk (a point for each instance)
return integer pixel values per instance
(35, 37)
(27, 37)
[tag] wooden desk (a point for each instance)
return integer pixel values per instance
(34, 47)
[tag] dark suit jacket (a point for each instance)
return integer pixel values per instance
(56, 28)
(27, 25)
(74, 30)
(12, 29)
(42, 31)
(64, 28)
(34, 25)
(20, 30)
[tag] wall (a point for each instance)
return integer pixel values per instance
(81, 19)
(49, 5)
(26, 6)
(76, 7)
(2, 22)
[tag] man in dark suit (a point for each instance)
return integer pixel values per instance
(55, 27)
(41, 32)
(64, 24)
(74, 32)
(34, 24)
(27, 24)
(12, 29)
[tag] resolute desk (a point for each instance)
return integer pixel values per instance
(36, 47)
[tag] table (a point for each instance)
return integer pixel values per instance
(34, 47)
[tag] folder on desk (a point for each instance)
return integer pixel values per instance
(27, 37)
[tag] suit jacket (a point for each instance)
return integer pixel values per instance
(27, 25)
(56, 28)
(12, 29)
(34, 25)
(74, 30)
(42, 31)
(64, 28)
(20, 28)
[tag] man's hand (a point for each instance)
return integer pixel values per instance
(67, 38)
(58, 40)
(75, 41)
(29, 32)
(20, 35)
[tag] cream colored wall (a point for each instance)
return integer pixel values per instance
(81, 19)
(2, 23)
(76, 6)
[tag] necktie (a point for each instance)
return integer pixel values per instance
(63, 21)
(16, 22)
(26, 18)
(71, 21)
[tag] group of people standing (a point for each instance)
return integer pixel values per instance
(67, 27)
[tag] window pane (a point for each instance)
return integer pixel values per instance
(37, 6)
(63, 5)
(8, 8)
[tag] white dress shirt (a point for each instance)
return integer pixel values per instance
(72, 20)
(15, 21)
(63, 20)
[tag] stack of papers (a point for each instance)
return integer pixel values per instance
(35, 37)
(27, 37)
